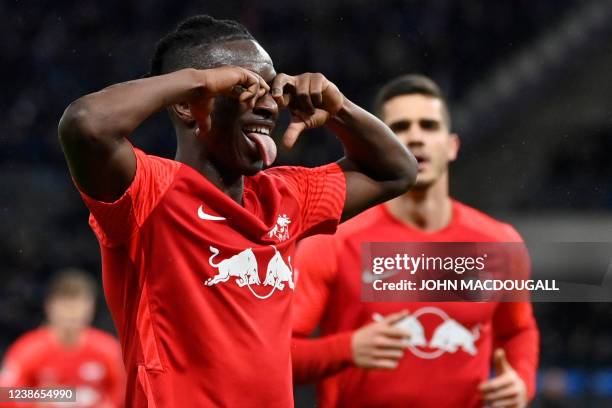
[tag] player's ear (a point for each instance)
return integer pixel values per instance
(454, 144)
(183, 113)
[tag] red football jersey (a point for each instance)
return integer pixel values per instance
(93, 366)
(200, 287)
(451, 343)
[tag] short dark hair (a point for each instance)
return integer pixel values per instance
(71, 283)
(186, 46)
(411, 84)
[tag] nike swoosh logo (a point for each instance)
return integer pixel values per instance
(208, 217)
(368, 277)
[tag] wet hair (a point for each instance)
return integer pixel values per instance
(411, 84)
(187, 45)
(72, 283)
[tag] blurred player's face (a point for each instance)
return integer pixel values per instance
(241, 136)
(70, 313)
(418, 122)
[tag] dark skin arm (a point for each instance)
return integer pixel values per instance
(377, 166)
(93, 129)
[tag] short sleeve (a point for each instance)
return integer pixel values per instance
(113, 223)
(320, 191)
(17, 363)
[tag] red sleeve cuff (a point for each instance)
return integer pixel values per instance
(315, 359)
(341, 348)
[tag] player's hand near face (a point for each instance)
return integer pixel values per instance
(93, 130)
(376, 166)
(311, 98)
(242, 84)
(506, 389)
(380, 345)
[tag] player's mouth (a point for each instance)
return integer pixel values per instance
(422, 161)
(258, 139)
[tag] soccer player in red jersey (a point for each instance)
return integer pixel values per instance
(361, 363)
(66, 352)
(197, 252)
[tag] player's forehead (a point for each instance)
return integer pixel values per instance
(413, 107)
(247, 54)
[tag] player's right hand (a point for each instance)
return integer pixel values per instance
(380, 345)
(235, 82)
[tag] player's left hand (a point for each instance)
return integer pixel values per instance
(311, 98)
(506, 389)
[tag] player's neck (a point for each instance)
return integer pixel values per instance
(429, 209)
(66, 337)
(231, 184)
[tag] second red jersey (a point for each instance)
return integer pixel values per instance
(451, 344)
(92, 366)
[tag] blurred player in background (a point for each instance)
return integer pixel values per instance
(361, 363)
(66, 351)
(197, 251)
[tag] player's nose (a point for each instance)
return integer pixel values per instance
(414, 137)
(266, 107)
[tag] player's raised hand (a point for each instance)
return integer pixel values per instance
(380, 344)
(506, 389)
(235, 82)
(311, 98)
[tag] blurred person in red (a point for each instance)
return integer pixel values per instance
(66, 351)
(397, 361)
(197, 251)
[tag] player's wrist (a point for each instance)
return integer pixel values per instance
(200, 81)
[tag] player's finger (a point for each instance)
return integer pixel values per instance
(277, 89)
(385, 364)
(495, 383)
(383, 342)
(264, 88)
(252, 90)
(395, 332)
(316, 89)
(302, 92)
(293, 131)
(501, 393)
(501, 363)
(395, 317)
(506, 403)
(248, 86)
(263, 84)
(389, 354)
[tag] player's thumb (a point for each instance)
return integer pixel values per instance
(293, 131)
(501, 362)
(395, 317)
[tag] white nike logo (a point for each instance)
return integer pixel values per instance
(367, 277)
(208, 217)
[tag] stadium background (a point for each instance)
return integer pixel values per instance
(529, 84)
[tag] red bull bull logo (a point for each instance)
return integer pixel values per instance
(449, 336)
(243, 269)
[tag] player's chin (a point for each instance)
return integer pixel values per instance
(423, 181)
(250, 166)
(254, 168)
